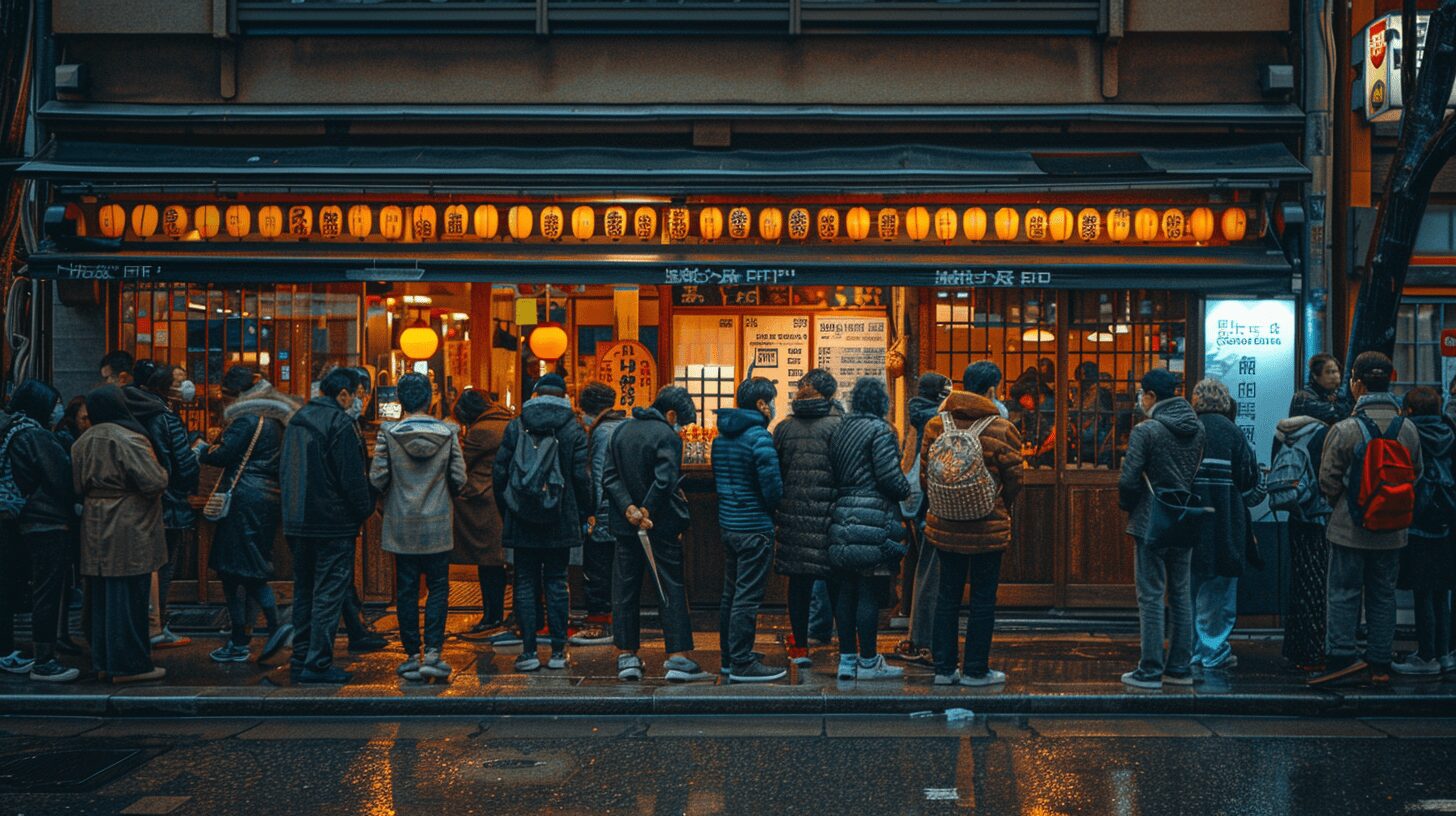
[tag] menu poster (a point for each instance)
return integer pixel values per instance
(851, 346)
(777, 347)
(628, 366)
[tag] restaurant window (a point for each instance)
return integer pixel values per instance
(1418, 359)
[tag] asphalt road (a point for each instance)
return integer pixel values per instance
(727, 765)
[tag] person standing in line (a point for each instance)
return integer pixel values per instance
(362, 637)
(1294, 482)
(478, 524)
(1321, 396)
(1365, 539)
(866, 528)
(418, 468)
(642, 480)
(599, 550)
(326, 496)
(931, 391)
(545, 447)
(749, 485)
(971, 549)
(1428, 562)
(74, 423)
(115, 368)
(41, 471)
(116, 474)
(1163, 450)
(802, 516)
(242, 544)
(1225, 549)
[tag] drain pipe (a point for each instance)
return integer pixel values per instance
(1319, 77)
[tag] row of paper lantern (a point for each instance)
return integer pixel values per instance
(421, 222)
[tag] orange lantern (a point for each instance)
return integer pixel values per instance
(614, 223)
(583, 223)
(740, 222)
(1145, 224)
(828, 221)
(419, 341)
(457, 221)
(798, 223)
(1119, 223)
(361, 221)
(206, 220)
(548, 341)
(300, 221)
(1173, 225)
(1200, 224)
(553, 222)
(237, 220)
(1234, 223)
(644, 223)
(678, 223)
(486, 222)
(770, 223)
(973, 223)
(1008, 220)
(710, 223)
(1060, 224)
(270, 221)
(391, 222)
(424, 221)
(519, 222)
(1036, 224)
(945, 224)
(1089, 224)
(174, 221)
(887, 223)
(917, 223)
(331, 222)
(144, 220)
(111, 220)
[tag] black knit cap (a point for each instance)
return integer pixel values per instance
(932, 385)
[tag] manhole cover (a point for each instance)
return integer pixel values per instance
(512, 764)
(70, 770)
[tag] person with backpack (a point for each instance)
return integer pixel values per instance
(1368, 474)
(1225, 548)
(1293, 486)
(1428, 562)
(749, 484)
(418, 469)
(37, 509)
(866, 527)
(1321, 396)
(543, 491)
(477, 521)
(931, 390)
(599, 551)
(648, 516)
(971, 469)
(801, 520)
(1163, 453)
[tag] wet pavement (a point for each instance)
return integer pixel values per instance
(726, 765)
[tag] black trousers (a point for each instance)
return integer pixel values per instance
(629, 575)
(435, 569)
(747, 558)
(492, 593)
(323, 575)
(856, 612)
(596, 573)
(50, 565)
(175, 539)
(120, 644)
(545, 568)
(984, 572)
(239, 593)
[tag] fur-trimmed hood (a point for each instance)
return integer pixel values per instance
(262, 400)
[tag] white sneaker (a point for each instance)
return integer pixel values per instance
(990, 678)
(433, 665)
(1414, 664)
(848, 666)
(16, 663)
(1448, 662)
(952, 679)
(878, 669)
(557, 661)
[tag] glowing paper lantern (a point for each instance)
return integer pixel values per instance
(553, 222)
(419, 341)
(206, 220)
(237, 220)
(144, 220)
(361, 221)
(828, 221)
(740, 222)
(887, 223)
(1036, 224)
(486, 221)
(1089, 224)
(678, 223)
(1200, 224)
(857, 223)
(1008, 221)
(770, 223)
(174, 221)
(300, 221)
(1234, 223)
(111, 221)
(973, 224)
(583, 223)
(391, 222)
(331, 222)
(1173, 225)
(548, 341)
(270, 221)
(519, 222)
(1119, 223)
(945, 224)
(425, 222)
(1060, 224)
(1145, 224)
(798, 223)
(644, 223)
(710, 223)
(457, 221)
(917, 223)
(614, 223)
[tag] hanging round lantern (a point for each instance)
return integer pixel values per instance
(644, 223)
(1119, 223)
(1008, 220)
(424, 221)
(457, 221)
(828, 221)
(917, 223)
(857, 223)
(678, 223)
(548, 341)
(1060, 224)
(1036, 224)
(237, 220)
(770, 223)
(419, 341)
(887, 223)
(740, 222)
(1200, 224)
(973, 223)
(583, 223)
(174, 221)
(486, 221)
(300, 221)
(270, 221)
(331, 221)
(361, 221)
(1089, 224)
(391, 222)
(553, 223)
(614, 223)
(144, 220)
(1234, 223)
(710, 223)
(111, 221)
(945, 224)
(798, 223)
(1145, 224)
(519, 222)
(206, 220)
(1173, 225)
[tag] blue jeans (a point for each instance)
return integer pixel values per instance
(747, 558)
(435, 568)
(984, 573)
(1215, 607)
(1159, 572)
(924, 596)
(544, 567)
(1351, 572)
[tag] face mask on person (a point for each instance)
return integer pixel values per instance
(356, 408)
(58, 412)
(187, 391)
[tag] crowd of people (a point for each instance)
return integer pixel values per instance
(99, 493)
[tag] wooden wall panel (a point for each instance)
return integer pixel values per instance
(1030, 560)
(1098, 551)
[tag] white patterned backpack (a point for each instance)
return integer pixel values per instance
(957, 481)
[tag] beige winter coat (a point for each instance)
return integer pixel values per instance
(120, 482)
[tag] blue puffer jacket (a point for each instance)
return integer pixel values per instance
(746, 471)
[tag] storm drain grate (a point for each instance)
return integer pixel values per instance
(69, 770)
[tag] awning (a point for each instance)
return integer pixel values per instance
(107, 166)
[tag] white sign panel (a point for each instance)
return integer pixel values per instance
(1381, 49)
(777, 347)
(850, 347)
(1249, 346)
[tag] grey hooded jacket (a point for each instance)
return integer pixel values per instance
(419, 467)
(1168, 447)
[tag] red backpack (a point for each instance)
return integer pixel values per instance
(1382, 478)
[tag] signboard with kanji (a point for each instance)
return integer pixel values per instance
(627, 366)
(777, 347)
(1249, 346)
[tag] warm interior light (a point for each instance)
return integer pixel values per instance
(459, 316)
(418, 300)
(1037, 335)
(264, 358)
(1121, 328)
(419, 341)
(548, 341)
(1100, 337)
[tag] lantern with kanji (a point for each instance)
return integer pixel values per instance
(770, 223)
(174, 221)
(677, 224)
(583, 223)
(887, 223)
(798, 223)
(1089, 224)
(1145, 224)
(1119, 223)
(111, 220)
(614, 223)
(300, 220)
(828, 221)
(361, 221)
(237, 220)
(270, 221)
(206, 220)
(945, 224)
(457, 221)
(1173, 225)
(1200, 224)
(710, 223)
(1234, 223)
(423, 220)
(973, 223)
(740, 222)
(553, 222)
(486, 221)
(644, 223)
(391, 222)
(1008, 221)
(917, 223)
(144, 220)
(1036, 224)
(519, 222)
(331, 221)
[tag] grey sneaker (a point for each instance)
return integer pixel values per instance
(1415, 665)
(52, 671)
(503, 639)
(725, 668)
(757, 673)
(680, 669)
(16, 663)
(990, 678)
(1142, 680)
(410, 669)
(230, 653)
(878, 669)
(558, 661)
(433, 665)
(629, 667)
(1448, 662)
(952, 679)
(527, 663)
(848, 667)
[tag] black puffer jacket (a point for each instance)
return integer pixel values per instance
(802, 517)
(1168, 448)
(866, 530)
(547, 416)
(243, 543)
(1326, 406)
(326, 492)
(169, 440)
(42, 471)
(1229, 471)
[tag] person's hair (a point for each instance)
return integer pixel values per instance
(753, 389)
(160, 382)
(1211, 396)
(340, 379)
(1423, 400)
(414, 392)
(141, 373)
(869, 397)
(597, 397)
(1161, 383)
(361, 376)
(821, 381)
(238, 379)
(1317, 363)
(980, 376)
(932, 385)
(676, 398)
(1373, 370)
(72, 419)
(1233, 409)
(1028, 384)
(118, 361)
(35, 399)
(470, 405)
(1088, 372)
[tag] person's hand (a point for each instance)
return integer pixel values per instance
(637, 517)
